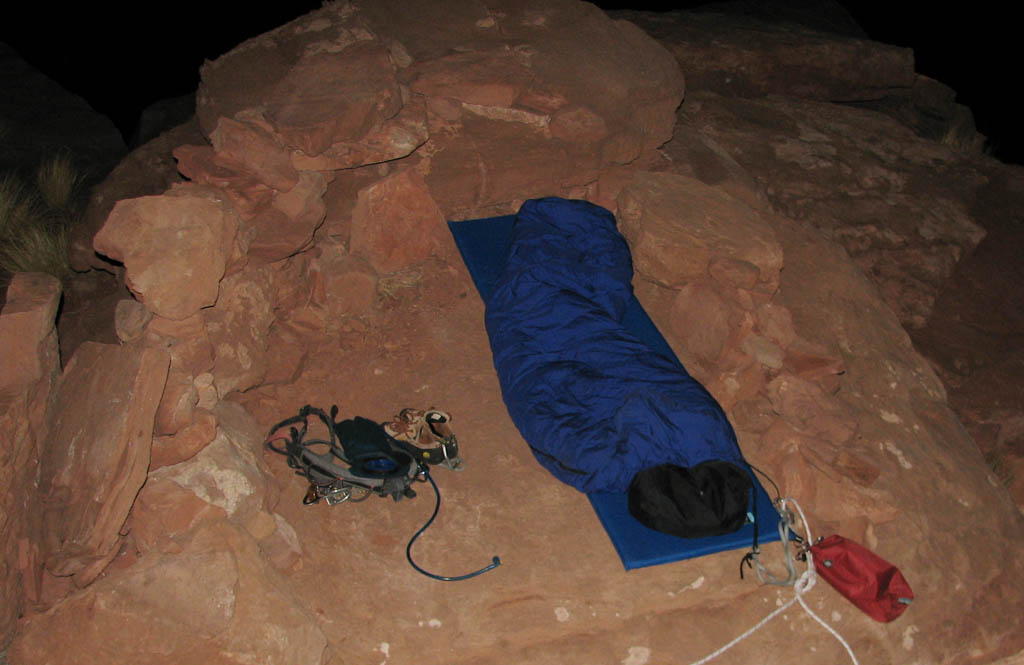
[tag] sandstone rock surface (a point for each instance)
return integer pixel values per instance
(323, 275)
(666, 218)
(860, 178)
(743, 56)
(552, 84)
(175, 249)
(211, 599)
(396, 224)
(29, 368)
(97, 454)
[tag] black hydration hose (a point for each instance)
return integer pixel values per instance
(408, 549)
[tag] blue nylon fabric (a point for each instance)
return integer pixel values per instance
(593, 401)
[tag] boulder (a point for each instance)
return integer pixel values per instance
(227, 474)
(732, 51)
(322, 79)
(130, 319)
(222, 475)
(29, 368)
(700, 319)
(174, 247)
(29, 336)
(185, 443)
(177, 403)
(500, 163)
(286, 224)
(676, 225)
(251, 145)
(203, 165)
(186, 340)
(165, 513)
(97, 454)
(393, 139)
(396, 223)
(192, 354)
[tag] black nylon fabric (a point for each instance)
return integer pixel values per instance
(370, 451)
(709, 499)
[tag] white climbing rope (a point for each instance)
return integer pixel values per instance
(803, 584)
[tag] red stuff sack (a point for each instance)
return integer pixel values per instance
(870, 582)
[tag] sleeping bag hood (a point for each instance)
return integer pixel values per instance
(599, 409)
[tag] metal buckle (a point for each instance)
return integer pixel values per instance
(338, 495)
(450, 449)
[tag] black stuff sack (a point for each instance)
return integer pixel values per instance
(709, 499)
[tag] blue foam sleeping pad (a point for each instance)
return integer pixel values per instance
(587, 379)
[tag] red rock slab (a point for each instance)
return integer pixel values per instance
(29, 366)
(395, 138)
(238, 328)
(327, 98)
(676, 225)
(257, 150)
(396, 222)
(174, 247)
(26, 325)
(97, 454)
(285, 225)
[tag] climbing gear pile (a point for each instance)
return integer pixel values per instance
(347, 461)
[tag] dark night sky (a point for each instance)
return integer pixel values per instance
(120, 62)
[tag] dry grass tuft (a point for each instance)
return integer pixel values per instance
(34, 221)
(18, 206)
(59, 184)
(35, 249)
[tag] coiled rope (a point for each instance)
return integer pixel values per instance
(802, 585)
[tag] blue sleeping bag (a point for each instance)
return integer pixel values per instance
(599, 409)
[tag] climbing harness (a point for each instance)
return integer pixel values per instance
(351, 459)
(356, 458)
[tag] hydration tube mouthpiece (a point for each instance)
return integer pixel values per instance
(495, 562)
